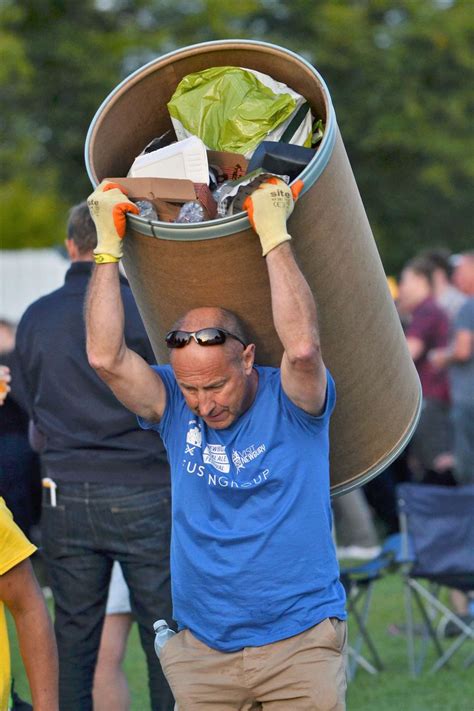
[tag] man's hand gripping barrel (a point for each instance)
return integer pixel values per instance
(268, 208)
(108, 205)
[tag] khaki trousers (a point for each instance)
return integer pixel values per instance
(302, 673)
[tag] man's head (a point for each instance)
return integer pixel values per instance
(81, 234)
(218, 381)
(416, 283)
(464, 273)
(441, 261)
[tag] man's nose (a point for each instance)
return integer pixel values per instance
(205, 404)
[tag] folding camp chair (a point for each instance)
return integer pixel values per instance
(359, 581)
(438, 523)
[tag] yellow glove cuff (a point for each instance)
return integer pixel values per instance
(105, 259)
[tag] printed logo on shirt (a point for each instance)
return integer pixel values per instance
(216, 455)
(193, 437)
(240, 459)
(191, 467)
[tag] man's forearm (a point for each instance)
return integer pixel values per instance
(38, 649)
(22, 595)
(104, 316)
(293, 305)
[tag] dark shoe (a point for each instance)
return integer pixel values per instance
(18, 704)
(449, 628)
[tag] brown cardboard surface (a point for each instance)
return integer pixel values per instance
(363, 344)
(166, 211)
(231, 165)
(169, 189)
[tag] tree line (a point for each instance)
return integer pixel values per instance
(400, 74)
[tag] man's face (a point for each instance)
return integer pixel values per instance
(216, 381)
(413, 289)
(463, 276)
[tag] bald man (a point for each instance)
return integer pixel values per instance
(255, 580)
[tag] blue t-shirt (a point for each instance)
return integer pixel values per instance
(252, 556)
(462, 374)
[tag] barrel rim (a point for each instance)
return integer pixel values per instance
(222, 227)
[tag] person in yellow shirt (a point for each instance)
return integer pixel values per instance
(21, 594)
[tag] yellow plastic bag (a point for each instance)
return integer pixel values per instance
(233, 109)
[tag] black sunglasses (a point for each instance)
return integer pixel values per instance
(203, 337)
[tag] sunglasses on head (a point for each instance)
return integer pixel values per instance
(203, 337)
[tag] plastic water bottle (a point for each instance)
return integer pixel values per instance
(162, 634)
(147, 210)
(191, 211)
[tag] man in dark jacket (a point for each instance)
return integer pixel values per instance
(109, 489)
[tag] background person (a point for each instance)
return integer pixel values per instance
(20, 478)
(458, 357)
(110, 687)
(110, 690)
(256, 590)
(427, 328)
(356, 535)
(112, 495)
(445, 293)
(21, 594)
(5, 380)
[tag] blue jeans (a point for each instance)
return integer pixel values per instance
(91, 526)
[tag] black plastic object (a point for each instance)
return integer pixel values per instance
(281, 158)
(166, 139)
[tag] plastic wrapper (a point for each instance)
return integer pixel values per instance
(192, 211)
(317, 132)
(233, 109)
(231, 195)
(147, 210)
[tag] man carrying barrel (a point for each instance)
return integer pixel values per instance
(255, 580)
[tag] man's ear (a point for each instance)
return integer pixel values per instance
(71, 249)
(248, 358)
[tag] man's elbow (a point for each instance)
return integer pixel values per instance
(103, 363)
(305, 355)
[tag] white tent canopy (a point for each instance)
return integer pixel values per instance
(25, 275)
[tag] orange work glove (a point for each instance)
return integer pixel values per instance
(268, 208)
(108, 205)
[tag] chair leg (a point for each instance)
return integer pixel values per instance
(410, 628)
(427, 621)
(443, 660)
(469, 661)
(363, 595)
(360, 660)
(364, 634)
(465, 630)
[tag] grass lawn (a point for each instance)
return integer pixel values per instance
(392, 690)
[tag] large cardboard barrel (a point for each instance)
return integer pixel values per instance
(174, 267)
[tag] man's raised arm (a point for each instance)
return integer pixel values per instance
(130, 377)
(303, 373)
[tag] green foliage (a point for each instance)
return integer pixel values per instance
(400, 74)
(30, 219)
